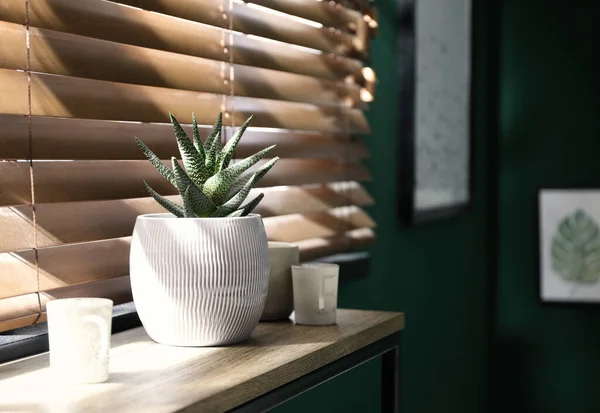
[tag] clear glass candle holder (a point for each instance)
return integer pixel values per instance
(79, 337)
(315, 293)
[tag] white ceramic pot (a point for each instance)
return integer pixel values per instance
(199, 281)
(280, 299)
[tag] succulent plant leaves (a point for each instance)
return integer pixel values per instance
(170, 206)
(201, 205)
(197, 140)
(233, 204)
(249, 207)
(216, 187)
(241, 181)
(211, 155)
(193, 162)
(227, 152)
(156, 162)
(209, 185)
(196, 204)
(215, 133)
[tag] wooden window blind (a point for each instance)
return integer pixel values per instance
(79, 79)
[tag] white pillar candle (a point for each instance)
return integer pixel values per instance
(315, 293)
(79, 336)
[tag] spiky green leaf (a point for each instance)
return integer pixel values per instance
(194, 163)
(249, 207)
(241, 181)
(227, 152)
(234, 203)
(201, 205)
(211, 156)
(187, 204)
(215, 133)
(181, 177)
(157, 163)
(197, 140)
(170, 206)
(216, 187)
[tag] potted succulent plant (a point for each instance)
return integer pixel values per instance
(200, 273)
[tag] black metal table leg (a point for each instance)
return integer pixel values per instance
(388, 348)
(390, 381)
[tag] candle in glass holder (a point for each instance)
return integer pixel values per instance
(315, 293)
(79, 336)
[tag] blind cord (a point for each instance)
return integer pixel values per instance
(231, 67)
(31, 175)
(346, 184)
(228, 74)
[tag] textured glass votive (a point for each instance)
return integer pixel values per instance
(315, 293)
(79, 336)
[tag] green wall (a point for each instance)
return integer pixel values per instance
(546, 356)
(438, 273)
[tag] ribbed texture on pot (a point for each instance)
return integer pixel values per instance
(199, 282)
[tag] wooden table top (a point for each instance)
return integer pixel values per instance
(152, 378)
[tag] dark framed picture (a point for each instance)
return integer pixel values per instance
(569, 245)
(435, 121)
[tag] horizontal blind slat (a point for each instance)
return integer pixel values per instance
(69, 138)
(59, 267)
(328, 13)
(61, 96)
(82, 263)
(298, 227)
(95, 180)
(314, 198)
(311, 249)
(254, 21)
(22, 310)
(76, 222)
(118, 23)
(77, 56)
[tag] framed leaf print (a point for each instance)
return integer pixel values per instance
(569, 228)
(435, 97)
